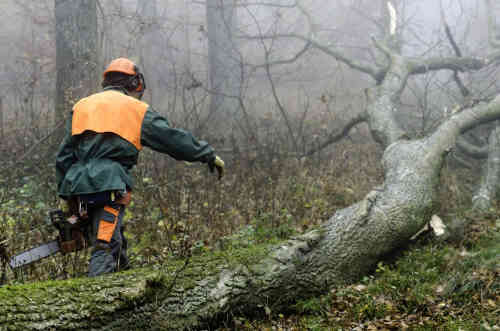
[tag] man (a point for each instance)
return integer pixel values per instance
(107, 131)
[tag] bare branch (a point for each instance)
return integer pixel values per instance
(450, 63)
(338, 135)
(306, 47)
(257, 3)
(383, 48)
(282, 110)
(393, 17)
(453, 43)
(310, 41)
(463, 89)
(33, 147)
(335, 53)
(474, 151)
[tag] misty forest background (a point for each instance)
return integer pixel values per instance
(256, 80)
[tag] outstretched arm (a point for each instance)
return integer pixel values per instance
(180, 144)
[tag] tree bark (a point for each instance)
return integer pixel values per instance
(1, 119)
(149, 46)
(224, 63)
(485, 195)
(76, 52)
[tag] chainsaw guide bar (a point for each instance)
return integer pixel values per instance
(35, 254)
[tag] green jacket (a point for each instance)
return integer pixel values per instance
(95, 162)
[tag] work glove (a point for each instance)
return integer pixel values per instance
(63, 205)
(216, 163)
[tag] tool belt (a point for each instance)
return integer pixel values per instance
(73, 228)
(78, 205)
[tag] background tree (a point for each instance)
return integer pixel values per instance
(224, 63)
(76, 52)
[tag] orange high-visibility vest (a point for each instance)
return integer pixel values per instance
(110, 111)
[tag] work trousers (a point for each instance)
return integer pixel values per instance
(110, 245)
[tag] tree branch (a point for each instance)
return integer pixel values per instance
(339, 134)
(393, 18)
(450, 63)
(33, 147)
(306, 47)
(463, 89)
(310, 41)
(335, 53)
(257, 3)
(445, 137)
(477, 152)
(383, 48)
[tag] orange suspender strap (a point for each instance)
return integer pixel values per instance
(110, 111)
(107, 224)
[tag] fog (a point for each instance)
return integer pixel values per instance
(169, 41)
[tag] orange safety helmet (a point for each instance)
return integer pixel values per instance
(123, 65)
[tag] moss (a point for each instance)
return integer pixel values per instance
(101, 300)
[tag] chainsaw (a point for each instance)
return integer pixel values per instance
(73, 236)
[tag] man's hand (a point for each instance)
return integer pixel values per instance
(216, 163)
(63, 205)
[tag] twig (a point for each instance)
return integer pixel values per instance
(336, 136)
(33, 147)
(463, 89)
(176, 276)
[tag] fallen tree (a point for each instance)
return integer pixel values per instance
(190, 294)
(209, 288)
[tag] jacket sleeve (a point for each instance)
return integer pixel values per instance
(157, 134)
(65, 155)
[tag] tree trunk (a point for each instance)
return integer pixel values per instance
(223, 62)
(485, 195)
(1, 119)
(76, 52)
(150, 47)
(208, 289)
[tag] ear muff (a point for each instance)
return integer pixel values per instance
(133, 83)
(141, 84)
(136, 82)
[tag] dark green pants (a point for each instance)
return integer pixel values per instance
(110, 245)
